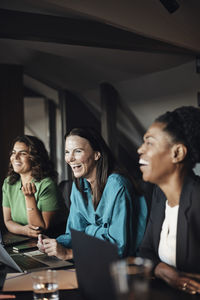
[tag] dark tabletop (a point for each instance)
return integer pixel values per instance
(158, 291)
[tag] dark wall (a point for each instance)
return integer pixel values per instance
(78, 115)
(11, 113)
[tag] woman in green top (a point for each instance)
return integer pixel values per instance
(31, 203)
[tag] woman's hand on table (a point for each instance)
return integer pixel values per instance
(40, 244)
(52, 248)
(32, 231)
(182, 281)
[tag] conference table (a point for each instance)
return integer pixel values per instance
(158, 290)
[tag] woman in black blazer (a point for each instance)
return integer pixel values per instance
(168, 155)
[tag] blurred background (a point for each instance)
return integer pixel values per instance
(113, 65)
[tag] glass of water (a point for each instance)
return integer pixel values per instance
(131, 278)
(45, 285)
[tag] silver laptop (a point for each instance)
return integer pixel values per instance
(30, 261)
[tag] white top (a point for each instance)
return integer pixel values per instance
(167, 245)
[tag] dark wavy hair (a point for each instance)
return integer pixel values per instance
(105, 165)
(41, 165)
(183, 125)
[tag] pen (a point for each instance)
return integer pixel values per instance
(6, 296)
(15, 276)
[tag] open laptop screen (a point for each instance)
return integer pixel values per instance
(92, 259)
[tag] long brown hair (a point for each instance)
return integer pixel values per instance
(105, 165)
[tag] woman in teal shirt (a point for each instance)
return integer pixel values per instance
(104, 202)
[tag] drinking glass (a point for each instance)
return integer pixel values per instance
(131, 278)
(45, 285)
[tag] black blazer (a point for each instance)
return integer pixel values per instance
(188, 227)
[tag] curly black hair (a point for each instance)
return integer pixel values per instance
(183, 125)
(41, 165)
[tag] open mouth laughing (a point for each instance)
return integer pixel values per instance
(75, 167)
(143, 162)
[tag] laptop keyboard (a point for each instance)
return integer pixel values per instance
(27, 263)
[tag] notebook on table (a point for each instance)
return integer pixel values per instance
(92, 259)
(10, 239)
(19, 243)
(27, 246)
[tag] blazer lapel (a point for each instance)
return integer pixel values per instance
(182, 223)
(159, 216)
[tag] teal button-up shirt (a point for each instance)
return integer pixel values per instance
(118, 212)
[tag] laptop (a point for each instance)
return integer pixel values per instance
(92, 259)
(30, 261)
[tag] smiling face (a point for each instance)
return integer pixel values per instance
(20, 159)
(157, 155)
(81, 157)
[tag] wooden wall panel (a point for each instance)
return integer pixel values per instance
(109, 104)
